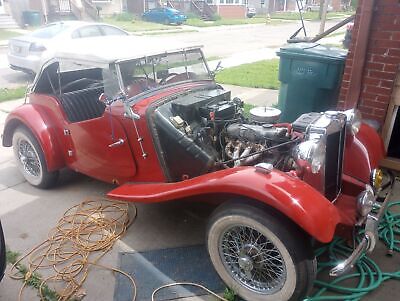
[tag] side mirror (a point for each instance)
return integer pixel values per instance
(28, 91)
(217, 68)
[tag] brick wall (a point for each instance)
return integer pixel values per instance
(382, 60)
(336, 5)
(230, 11)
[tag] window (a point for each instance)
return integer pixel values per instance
(50, 31)
(112, 31)
(86, 32)
(148, 73)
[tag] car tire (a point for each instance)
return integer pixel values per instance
(30, 159)
(239, 260)
(2, 253)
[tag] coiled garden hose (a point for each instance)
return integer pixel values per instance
(368, 276)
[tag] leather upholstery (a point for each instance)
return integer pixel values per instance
(83, 104)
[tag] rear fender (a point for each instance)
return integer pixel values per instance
(294, 198)
(42, 127)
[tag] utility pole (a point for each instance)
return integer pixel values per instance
(323, 17)
(321, 8)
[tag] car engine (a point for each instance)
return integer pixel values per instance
(207, 130)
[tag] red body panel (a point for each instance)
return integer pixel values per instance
(44, 127)
(363, 153)
(291, 196)
(92, 154)
(148, 168)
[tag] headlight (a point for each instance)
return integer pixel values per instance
(353, 120)
(312, 151)
(376, 178)
(365, 201)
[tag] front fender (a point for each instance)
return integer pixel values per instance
(363, 153)
(42, 127)
(294, 198)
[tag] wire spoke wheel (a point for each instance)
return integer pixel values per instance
(29, 158)
(252, 259)
(259, 255)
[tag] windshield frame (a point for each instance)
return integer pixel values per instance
(183, 51)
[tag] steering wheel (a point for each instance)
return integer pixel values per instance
(89, 83)
(164, 80)
(139, 85)
(180, 77)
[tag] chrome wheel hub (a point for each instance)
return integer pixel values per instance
(246, 263)
(252, 259)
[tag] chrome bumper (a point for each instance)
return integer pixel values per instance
(368, 242)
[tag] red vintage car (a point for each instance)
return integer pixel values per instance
(152, 120)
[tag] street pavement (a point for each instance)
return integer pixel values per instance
(234, 45)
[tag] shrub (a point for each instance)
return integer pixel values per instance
(124, 17)
(215, 17)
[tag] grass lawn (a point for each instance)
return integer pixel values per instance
(307, 15)
(262, 74)
(138, 25)
(200, 23)
(10, 94)
(7, 34)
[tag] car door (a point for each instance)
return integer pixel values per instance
(152, 15)
(159, 15)
(100, 149)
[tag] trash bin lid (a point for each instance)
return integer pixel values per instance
(313, 50)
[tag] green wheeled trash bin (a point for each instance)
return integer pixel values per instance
(310, 76)
(32, 18)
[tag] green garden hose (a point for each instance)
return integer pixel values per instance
(368, 275)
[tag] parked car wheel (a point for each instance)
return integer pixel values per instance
(260, 256)
(2, 253)
(30, 159)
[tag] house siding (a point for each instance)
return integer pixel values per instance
(230, 11)
(109, 8)
(382, 60)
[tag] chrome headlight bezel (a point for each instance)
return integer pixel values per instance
(353, 120)
(312, 151)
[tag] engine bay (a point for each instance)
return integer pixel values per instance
(206, 130)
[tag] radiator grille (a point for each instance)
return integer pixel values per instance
(334, 163)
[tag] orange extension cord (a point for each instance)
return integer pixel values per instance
(84, 234)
